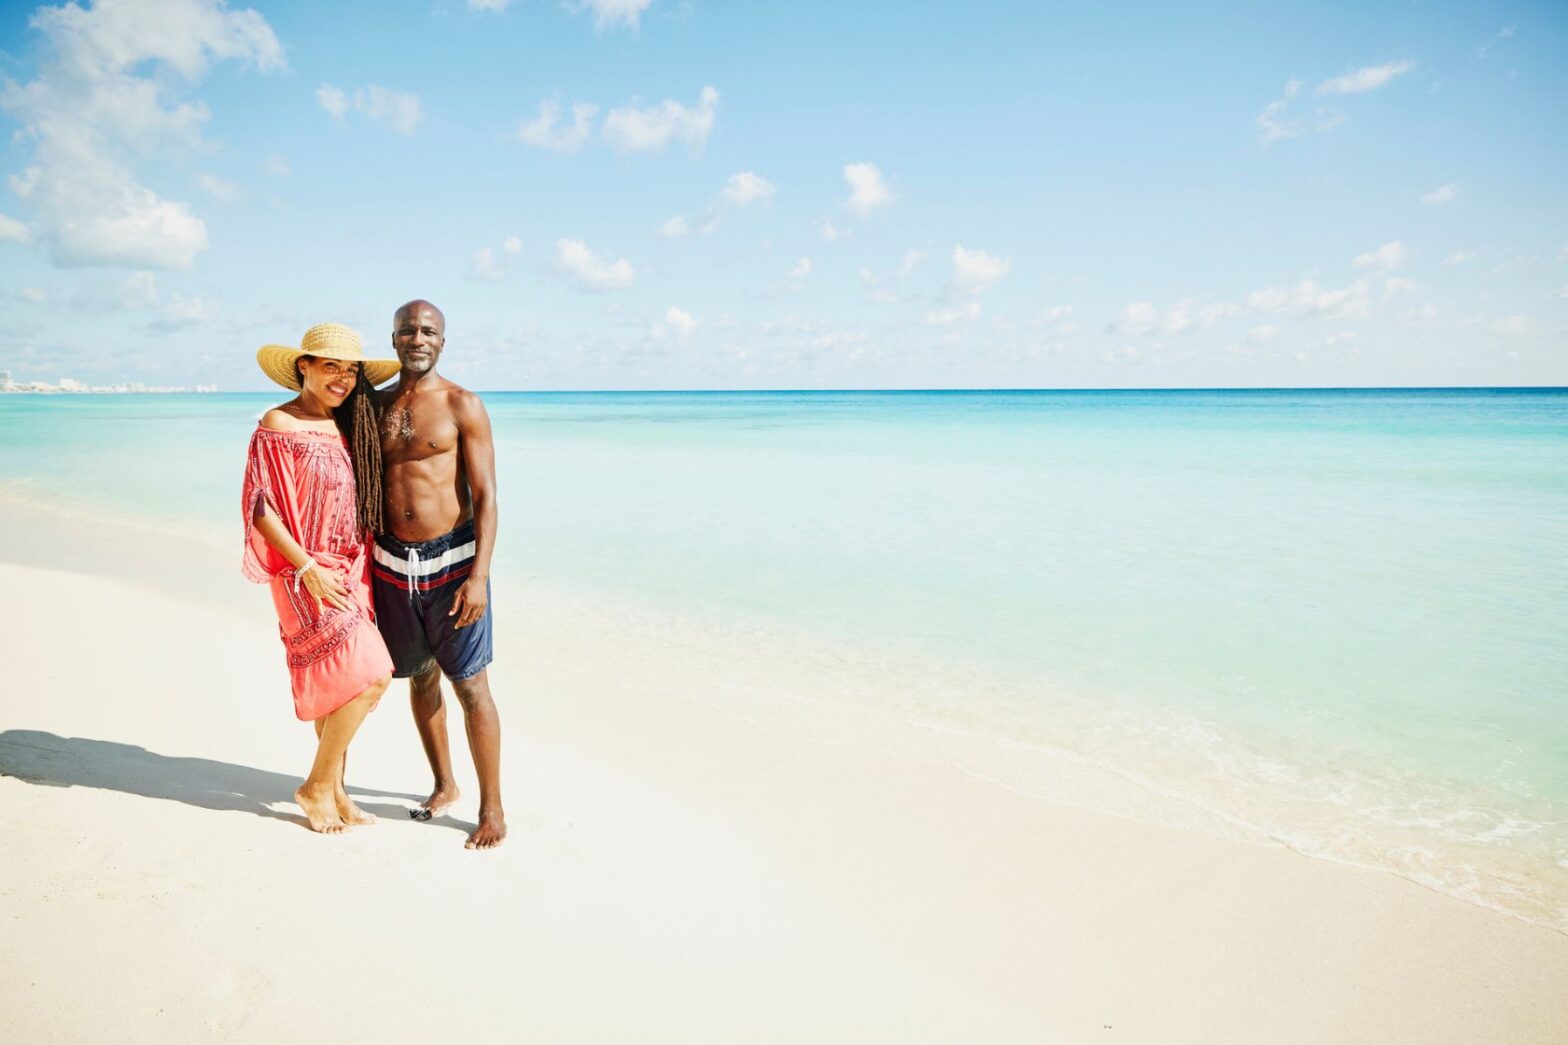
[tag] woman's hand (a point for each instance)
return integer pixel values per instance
(324, 586)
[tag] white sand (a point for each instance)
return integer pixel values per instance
(674, 872)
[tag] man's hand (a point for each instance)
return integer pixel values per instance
(324, 586)
(468, 605)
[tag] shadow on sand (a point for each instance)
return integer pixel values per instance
(56, 761)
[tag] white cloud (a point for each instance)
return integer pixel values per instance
(867, 189)
(1275, 122)
(1388, 256)
(512, 244)
(1504, 33)
(277, 166)
(908, 263)
(868, 277)
(100, 292)
(1446, 194)
(1396, 285)
(1560, 292)
(1053, 316)
(494, 6)
(1307, 298)
(747, 187)
(740, 190)
(610, 14)
(542, 133)
(1459, 257)
(483, 267)
(217, 187)
(1262, 335)
(1142, 318)
(184, 312)
(33, 294)
(951, 316)
(802, 269)
(974, 270)
(1269, 121)
(396, 110)
(13, 231)
(630, 129)
(1368, 78)
(1516, 325)
(589, 271)
(333, 100)
(102, 100)
(829, 230)
(681, 321)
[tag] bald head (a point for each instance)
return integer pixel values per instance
(418, 335)
(411, 310)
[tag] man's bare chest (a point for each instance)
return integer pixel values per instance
(414, 431)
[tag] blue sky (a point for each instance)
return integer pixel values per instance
(690, 194)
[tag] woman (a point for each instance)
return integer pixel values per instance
(310, 506)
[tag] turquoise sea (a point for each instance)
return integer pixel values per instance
(1339, 618)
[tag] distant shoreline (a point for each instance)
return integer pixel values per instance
(70, 387)
(138, 388)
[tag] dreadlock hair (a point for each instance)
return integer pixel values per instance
(359, 420)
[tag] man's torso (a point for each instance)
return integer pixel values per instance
(423, 479)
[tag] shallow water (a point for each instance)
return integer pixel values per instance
(1335, 616)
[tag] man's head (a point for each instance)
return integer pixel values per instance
(418, 335)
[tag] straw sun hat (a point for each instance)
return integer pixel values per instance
(326, 341)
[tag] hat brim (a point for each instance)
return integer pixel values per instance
(277, 362)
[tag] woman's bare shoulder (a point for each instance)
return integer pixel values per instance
(280, 420)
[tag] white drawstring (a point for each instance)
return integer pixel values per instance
(413, 572)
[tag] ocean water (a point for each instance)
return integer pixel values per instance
(1336, 618)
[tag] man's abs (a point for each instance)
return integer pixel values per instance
(425, 498)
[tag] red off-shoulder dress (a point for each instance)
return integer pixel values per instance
(308, 479)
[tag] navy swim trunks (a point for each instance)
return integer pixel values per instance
(414, 585)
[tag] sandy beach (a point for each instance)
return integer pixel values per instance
(677, 869)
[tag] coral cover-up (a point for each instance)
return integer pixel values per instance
(308, 479)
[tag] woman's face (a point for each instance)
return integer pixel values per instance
(330, 380)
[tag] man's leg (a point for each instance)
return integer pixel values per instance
(316, 795)
(424, 692)
(483, 724)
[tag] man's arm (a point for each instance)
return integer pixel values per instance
(477, 446)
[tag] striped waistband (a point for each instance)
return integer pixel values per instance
(420, 567)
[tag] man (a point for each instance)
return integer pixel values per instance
(431, 569)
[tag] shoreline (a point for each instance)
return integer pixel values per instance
(725, 871)
(813, 690)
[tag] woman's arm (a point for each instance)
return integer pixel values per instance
(322, 584)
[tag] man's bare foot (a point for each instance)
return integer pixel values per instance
(491, 832)
(320, 809)
(440, 800)
(350, 813)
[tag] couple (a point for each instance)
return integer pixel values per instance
(356, 499)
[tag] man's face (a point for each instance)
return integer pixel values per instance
(418, 337)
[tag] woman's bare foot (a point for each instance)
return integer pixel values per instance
(320, 809)
(491, 831)
(440, 800)
(350, 813)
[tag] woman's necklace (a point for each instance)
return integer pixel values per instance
(297, 409)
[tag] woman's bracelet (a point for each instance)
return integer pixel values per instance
(302, 569)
